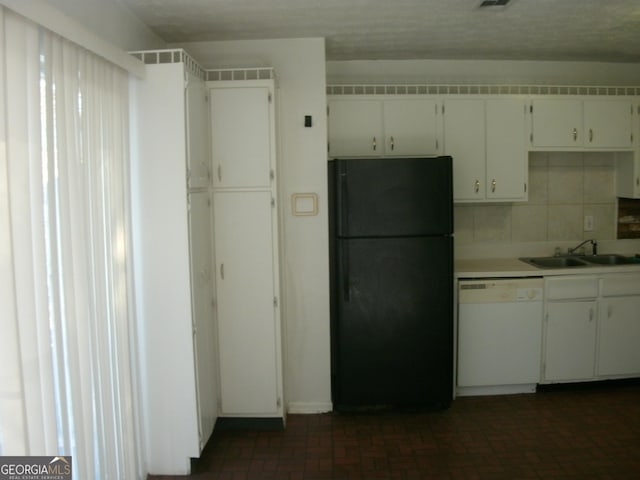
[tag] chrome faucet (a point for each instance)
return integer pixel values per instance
(594, 246)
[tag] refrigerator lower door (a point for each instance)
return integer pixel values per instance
(392, 324)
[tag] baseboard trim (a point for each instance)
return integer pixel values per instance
(306, 408)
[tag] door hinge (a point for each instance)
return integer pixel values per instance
(531, 108)
(275, 302)
(272, 174)
(279, 402)
(525, 187)
(327, 110)
(531, 137)
(443, 108)
(273, 202)
(270, 97)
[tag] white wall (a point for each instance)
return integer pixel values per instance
(112, 21)
(482, 72)
(300, 70)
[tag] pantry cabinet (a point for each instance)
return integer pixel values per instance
(365, 127)
(247, 303)
(242, 140)
(576, 123)
(485, 138)
(172, 254)
(246, 248)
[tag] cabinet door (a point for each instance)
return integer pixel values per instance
(607, 123)
(245, 286)
(411, 127)
(556, 122)
(570, 335)
(202, 310)
(241, 136)
(619, 336)
(506, 153)
(198, 163)
(355, 128)
(464, 140)
(628, 174)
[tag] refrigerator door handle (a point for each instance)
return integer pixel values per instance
(343, 193)
(345, 271)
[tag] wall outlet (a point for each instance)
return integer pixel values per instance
(588, 223)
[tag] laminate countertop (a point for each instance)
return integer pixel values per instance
(513, 267)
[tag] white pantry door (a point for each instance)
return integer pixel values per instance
(247, 321)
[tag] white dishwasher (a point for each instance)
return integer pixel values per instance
(499, 335)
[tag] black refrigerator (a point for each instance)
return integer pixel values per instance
(391, 274)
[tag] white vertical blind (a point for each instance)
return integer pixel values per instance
(65, 124)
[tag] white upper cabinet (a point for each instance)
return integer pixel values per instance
(556, 122)
(485, 137)
(411, 127)
(364, 127)
(464, 140)
(355, 128)
(241, 137)
(608, 123)
(507, 161)
(575, 123)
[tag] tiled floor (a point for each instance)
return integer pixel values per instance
(569, 434)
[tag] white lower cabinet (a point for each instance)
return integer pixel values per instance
(591, 328)
(619, 322)
(570, 340)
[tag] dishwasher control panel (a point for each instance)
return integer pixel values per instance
(500, 290)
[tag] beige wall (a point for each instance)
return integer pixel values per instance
(563, 188)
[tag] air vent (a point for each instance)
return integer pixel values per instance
(494, 3)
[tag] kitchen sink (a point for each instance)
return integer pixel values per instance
(555, 262)
(571, 261)
(612, 259)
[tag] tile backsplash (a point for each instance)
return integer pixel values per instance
(564, 187)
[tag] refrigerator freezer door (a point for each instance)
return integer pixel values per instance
(393, 323)
(393, 197)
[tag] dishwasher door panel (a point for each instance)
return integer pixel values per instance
(499, 343)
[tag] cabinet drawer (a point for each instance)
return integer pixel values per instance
(571, 288)
(621, 284)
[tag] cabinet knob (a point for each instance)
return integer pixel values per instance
(374, 144)
(477, 186)
(590, 135)
(393, 144)
(493, 185)
(575, 134)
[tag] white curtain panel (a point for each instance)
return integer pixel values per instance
(64, 166)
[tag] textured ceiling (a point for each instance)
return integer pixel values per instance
(588, 30)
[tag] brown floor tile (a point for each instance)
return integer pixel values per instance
(570, 433)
